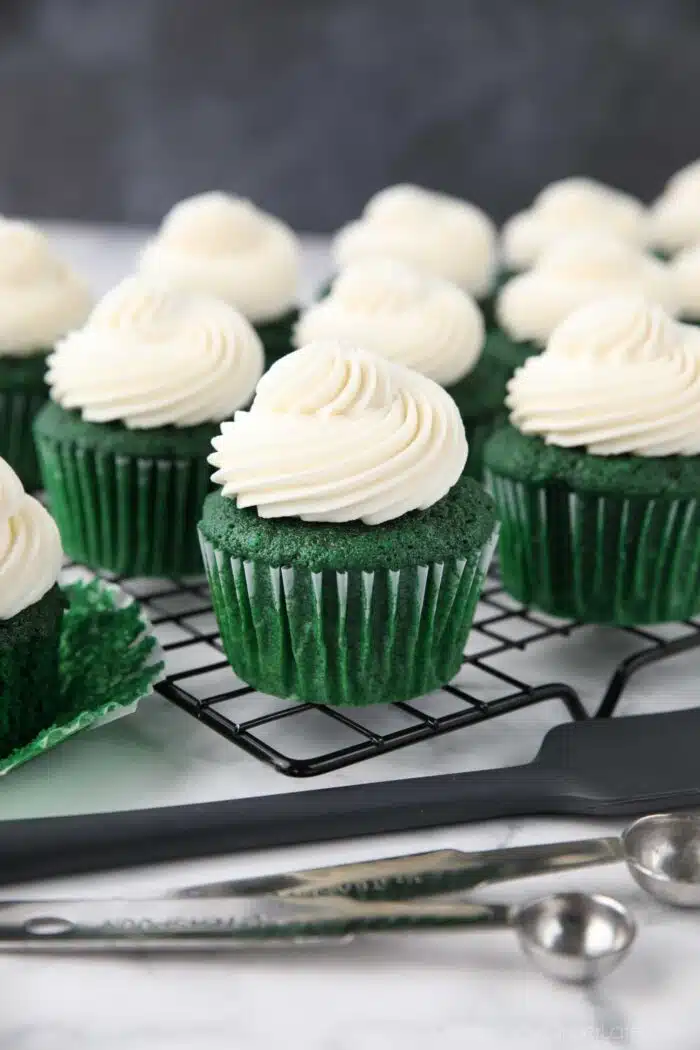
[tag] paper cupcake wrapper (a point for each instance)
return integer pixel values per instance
(135, 516)
(599, 559)
(17, 411)
(109, 662)
(339, 638)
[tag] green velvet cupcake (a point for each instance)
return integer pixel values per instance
(136, 398)
(40, 300)
(225, 246)
(347, 549)
(597, 479)
(421, 322)
(31, 613)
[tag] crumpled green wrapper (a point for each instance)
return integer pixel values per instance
(109, 662)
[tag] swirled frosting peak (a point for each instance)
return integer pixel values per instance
(225, 246)
(30, 547)
(442, 235)
(618, 376)
(578, 270)
(401, 313)
(674, 218)
(151, 356)
(40, 297)
(338, 434)
(573, 205)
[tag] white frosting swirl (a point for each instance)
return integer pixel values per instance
(674, 217)
(685, 269)
(443, 235)
(153, 356)
(30, 547)
(618, 376)
(410, 317)
(574, 205)
(40, 297)
(338, 434)
(575, 271)
(225, 246)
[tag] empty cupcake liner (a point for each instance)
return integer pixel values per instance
(17, 411)
(337, 638)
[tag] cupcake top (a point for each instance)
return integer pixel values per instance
(619, 376)
(572, 205)
(40, 297)
(226, 247)
(674, 217)
(442, 235)
(408, 316)
(337, 434)
(152, 356)
(30, 547)
(575, 271)
(685, 270)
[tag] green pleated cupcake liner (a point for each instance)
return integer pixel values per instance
(601, 559)
(108, 662)
(17, 411)
(345, 638)
(132, 515)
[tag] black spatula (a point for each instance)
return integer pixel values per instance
(609, 767)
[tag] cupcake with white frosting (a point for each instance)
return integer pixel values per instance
(347, 547)
(226, 247)
(422, 322)
(597, 476)
(575, 271)
(41, 299)
(674, 217)
(685, 270)
(136, 397)
(31, 613)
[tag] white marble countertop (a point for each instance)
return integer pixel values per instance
(448, 990)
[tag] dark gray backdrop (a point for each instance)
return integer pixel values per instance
(113, 109)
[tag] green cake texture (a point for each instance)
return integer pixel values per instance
(600, 539)
(22, 394)
(348, 613)
(125, 500)
(276, 336)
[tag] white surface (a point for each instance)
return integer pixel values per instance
(449, 990)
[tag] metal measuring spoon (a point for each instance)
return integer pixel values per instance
(662, 852)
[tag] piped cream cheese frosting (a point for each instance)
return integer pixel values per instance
(573, 205)
(225, 246)
(339, 434)
(685, 269)
(151, 355)
(619, 376)
(41, 298)
(30, 547)
(442, 235)
(401, 313)
(578, 270)
(674, 217)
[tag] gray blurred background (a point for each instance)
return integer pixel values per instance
(113, 109)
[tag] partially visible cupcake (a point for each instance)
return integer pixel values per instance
(674, 217)
(419, 321)
(347, 548)
(41, 299)
(685, 270)
(137, 395)
(31, 614)
(577, 270)
(570, 206)
(226, 247)
(597, 477)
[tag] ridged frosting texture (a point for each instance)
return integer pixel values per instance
(443, 235)
(30, 547)
(674, 218)
(618, 376)
(338, 434)
(393, 310)
(575, 271)
(573, 205)
(41, 298)
(151, 356)
(225, 246)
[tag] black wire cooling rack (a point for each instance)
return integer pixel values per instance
(200, 681)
